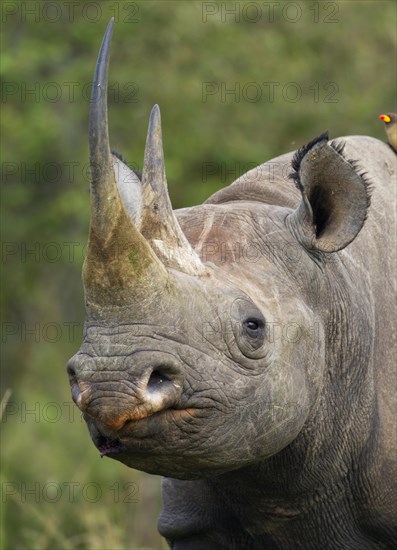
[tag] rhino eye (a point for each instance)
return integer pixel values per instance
(253, 327)
(249, 329)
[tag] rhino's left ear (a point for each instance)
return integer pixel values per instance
(335, 197)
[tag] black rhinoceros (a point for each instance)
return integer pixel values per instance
(241, 348)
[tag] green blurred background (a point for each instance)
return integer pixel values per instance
(211, 66)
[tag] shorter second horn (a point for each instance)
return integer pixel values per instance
(158, 223)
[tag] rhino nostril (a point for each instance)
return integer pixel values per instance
(71, 373)
(163, 389)
(157, 378)
(75, 386)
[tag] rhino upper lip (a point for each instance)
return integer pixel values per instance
(113, 444)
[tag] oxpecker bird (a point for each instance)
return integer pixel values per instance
(390, 121)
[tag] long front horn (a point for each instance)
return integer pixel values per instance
(158, 223)
(118, 256)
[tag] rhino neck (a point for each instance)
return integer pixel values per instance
(280, 503)
(300, 496)
(288, 520)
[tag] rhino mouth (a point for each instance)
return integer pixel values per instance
(107, 446)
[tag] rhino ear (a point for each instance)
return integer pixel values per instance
(129, 187)
(335, 196)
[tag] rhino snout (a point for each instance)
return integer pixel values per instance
(155, 386)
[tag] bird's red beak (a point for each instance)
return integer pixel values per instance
(385, 118)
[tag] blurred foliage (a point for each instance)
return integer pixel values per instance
(163, 52)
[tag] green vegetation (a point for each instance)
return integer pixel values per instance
(340, 70)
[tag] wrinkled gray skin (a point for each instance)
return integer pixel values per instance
(255, 367)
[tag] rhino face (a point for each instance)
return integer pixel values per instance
(191, 368)
(204, 374)
(167, 387)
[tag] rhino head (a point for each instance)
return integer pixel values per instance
(193, 366)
